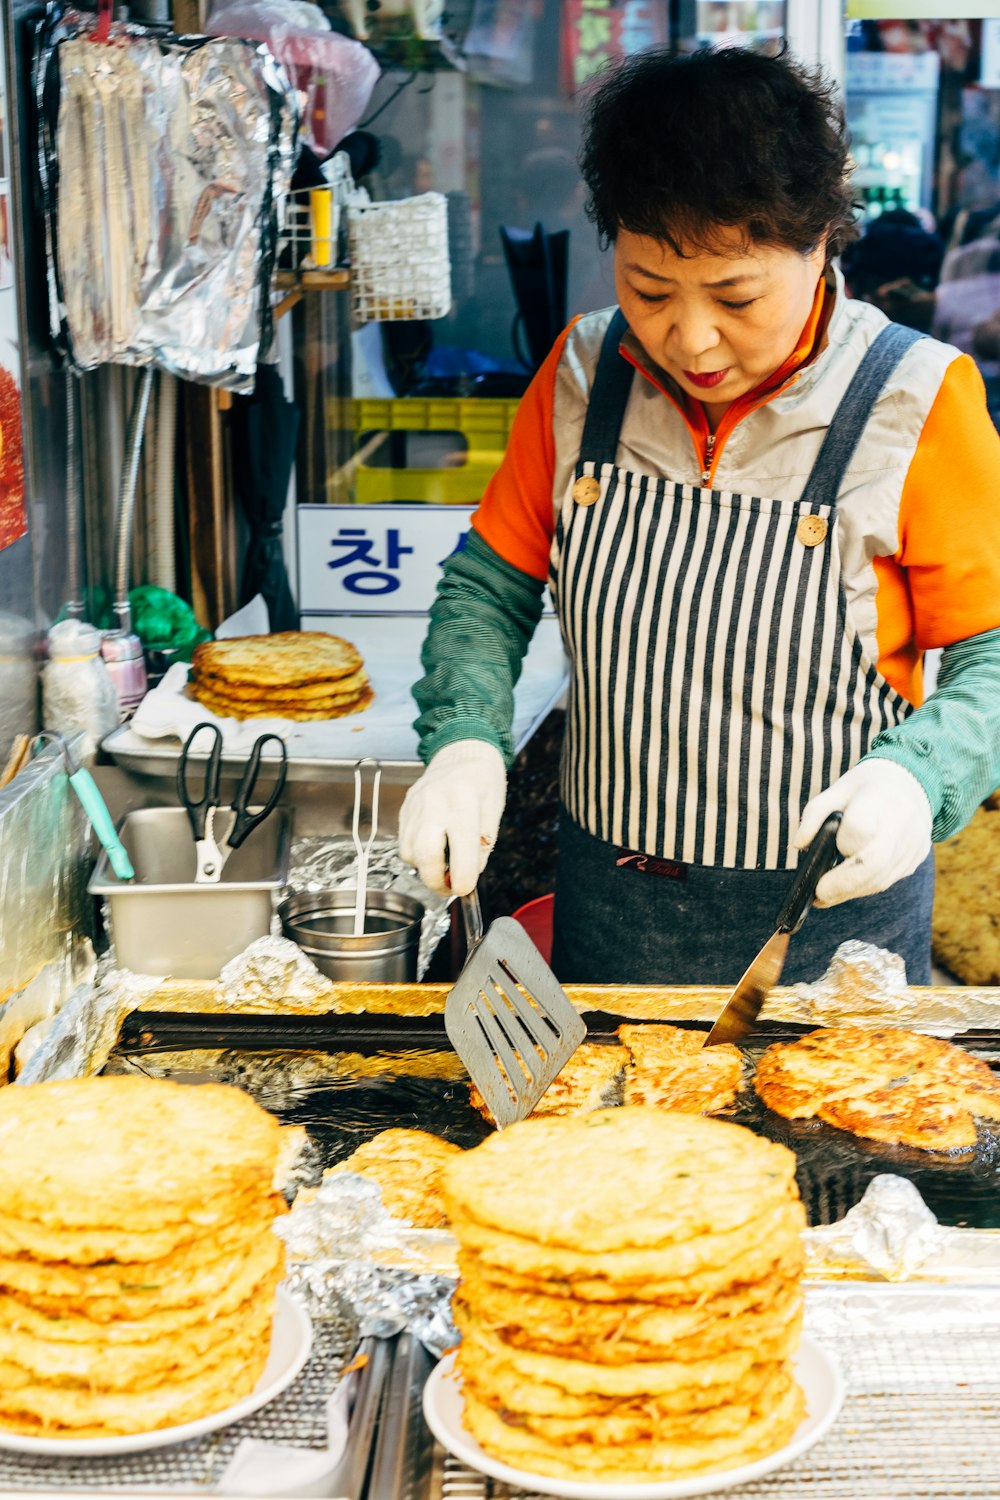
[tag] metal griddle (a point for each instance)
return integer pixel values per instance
(341, 1109)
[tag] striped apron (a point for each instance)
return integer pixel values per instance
(718, 683)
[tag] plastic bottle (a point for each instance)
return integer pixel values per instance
(77, 689)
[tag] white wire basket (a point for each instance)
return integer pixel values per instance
(399, 259)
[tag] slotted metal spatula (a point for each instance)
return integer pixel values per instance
(508, 1017)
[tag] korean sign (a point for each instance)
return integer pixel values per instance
(375, 559)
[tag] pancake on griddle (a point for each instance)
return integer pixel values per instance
(587, 1081)
(671, 1068)
(629, 1299)
(883, 1084)
(139, 1261)
(407, 1165)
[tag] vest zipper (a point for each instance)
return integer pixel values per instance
(706, 472)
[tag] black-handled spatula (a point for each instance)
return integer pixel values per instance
(743, 1006)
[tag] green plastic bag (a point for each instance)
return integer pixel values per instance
(163, 622)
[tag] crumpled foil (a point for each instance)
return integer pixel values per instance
(866, 986)
(894, 1234)
(330, 864)
(344, 1246)
(161, 163)
(79, 1038)
(273, 974)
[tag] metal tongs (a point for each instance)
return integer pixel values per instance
(364, 851)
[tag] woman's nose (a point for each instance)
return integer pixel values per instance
(691, 335)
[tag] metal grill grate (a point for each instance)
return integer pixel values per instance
(297, 1417)
(921, 1421)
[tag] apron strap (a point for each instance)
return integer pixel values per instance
(608, 399)
(849, 420)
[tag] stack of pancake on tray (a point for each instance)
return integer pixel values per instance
(295, 674)
(630, 1301)
(138, 1264)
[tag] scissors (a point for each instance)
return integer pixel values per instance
(213, 852)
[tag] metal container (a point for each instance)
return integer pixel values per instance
(322, 923)
(163, 922)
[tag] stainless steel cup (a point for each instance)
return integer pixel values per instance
(322, 923)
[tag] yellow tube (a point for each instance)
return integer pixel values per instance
(321, 213)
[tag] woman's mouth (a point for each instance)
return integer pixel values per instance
(705, 381)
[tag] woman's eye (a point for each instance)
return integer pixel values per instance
(652, 297)
(735, 306)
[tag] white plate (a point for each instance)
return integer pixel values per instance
(291, 1341)
(816, 1372)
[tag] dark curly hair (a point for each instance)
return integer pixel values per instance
(681, 147)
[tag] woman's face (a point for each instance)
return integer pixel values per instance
(718, 323)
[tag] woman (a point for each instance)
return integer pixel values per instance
(757, 503)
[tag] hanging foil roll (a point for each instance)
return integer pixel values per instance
(162, 161)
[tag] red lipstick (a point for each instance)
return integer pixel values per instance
(706, 381)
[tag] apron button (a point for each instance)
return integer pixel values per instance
(586, 490)
(812, 530)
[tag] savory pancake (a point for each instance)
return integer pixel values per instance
(289, 657)
(671, 1068)
(635, 1422)
(127, 1288)
(754, 1261)
(260, 709)
(585, 1083)
(499, 1385)
(584, 1377)
(138, 1261)
(618, 1332)
(768, 1339)
(179, 1400)
(778, 1225)
(407, 1166)
(26, 1360)
(125, 1153)
(691, 1175)
(128, 1320)
(886, 1084)
(300, 694)
(637, 1462)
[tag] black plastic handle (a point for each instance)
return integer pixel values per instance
(197, 811)
(821, 856)
(245, 821)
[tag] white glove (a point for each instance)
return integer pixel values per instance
(456, 806)
(885, 833)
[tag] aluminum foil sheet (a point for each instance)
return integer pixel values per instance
(45, 915)
(80, 1037)
(273, 975)
(866, 986)
(344, 1246)
(893, 1234)
(331, 864)
(162, 160)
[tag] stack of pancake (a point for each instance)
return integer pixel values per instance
(296, 674)
(138, 1264)
(630, 1299)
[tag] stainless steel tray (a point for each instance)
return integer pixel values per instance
(163, 922)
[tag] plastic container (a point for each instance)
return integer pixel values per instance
(322, 924)
(78, 692)
(485, 426)
(163, 922)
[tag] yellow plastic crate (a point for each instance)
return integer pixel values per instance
(485, 425)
